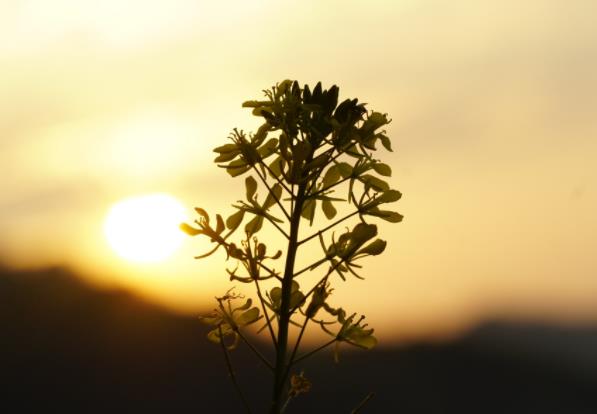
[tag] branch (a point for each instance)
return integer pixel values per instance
(328, 162)
(320, 170)
(280, 229)
(271, 272)
(296, 347)
(308, 354)
(231, 372)
(317, 263)
(274, 176)
(265, 313)
(275, 198)
(362, 403)
(323, 280)
(334, 224)
(330, 186)
(255, 351)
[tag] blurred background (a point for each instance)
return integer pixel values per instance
(487, 293)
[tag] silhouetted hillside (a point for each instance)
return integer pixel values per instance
(66, 347)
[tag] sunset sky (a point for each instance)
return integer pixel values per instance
(494, 128)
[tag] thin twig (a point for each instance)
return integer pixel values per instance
(296, 347)
(266, 314)
(317, 263)
(308, 354)
(274, 176)
(322, 280)
(328, 162)
(255, 350)
(271, 272)
(272, 193)
(231, 372)
(362, 404)
(334, 224)
(329, 187)
(283, 410)
(280, 229)
(298, 340)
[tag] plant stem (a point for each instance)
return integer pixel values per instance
(280, 229)
(362, 404)
(255, 351)
(285, 404)
(284, 320)
(329, 187)
(269, 189)
(274, 176)
(231, 372)
(296, 347)
(334, 224)
(315, 264)
(322, 280)
(266, 314)
(308, 354)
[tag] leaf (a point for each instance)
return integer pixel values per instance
(285, 146)
(344, 169)
(390, 216)
(268, 148)
(332, 175)
(373, 121)
(277, 166)
(254, 104)
(248, 317)
(226, 156)
(309, 210)
(318, 299)
(276, 296)
(328, 209)
(374, 182)
(225, 149)
(251, 187)
(363, 232)
(382, 169)
(272, 196)
(210, 320)
(264, 111)
(254, 225)
(220, 227)
(283, 87)
(235, 219)
(385, 141)
(214, 336)
(296, 298)
(365, 341)
(237, 167)
(246, 306)
(261, 250)
(191, 231)
(203, 214)
(389, 196)
(317, 162)
(375, 248)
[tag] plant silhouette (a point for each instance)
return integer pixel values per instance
(321, 158)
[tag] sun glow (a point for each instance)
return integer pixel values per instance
(144, 228)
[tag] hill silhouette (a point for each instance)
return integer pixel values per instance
(69, 347)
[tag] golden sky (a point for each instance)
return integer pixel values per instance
(494, 127)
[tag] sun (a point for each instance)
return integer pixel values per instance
(145, 229)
